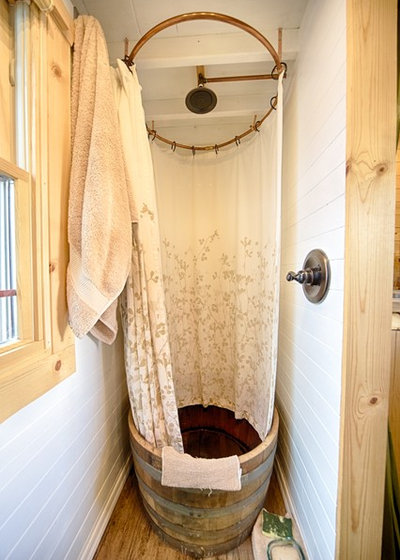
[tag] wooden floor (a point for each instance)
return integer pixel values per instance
(128, 535)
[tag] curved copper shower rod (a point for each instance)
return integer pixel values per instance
(204, 15)
(215, 17)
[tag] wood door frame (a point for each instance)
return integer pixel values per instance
(370, 210)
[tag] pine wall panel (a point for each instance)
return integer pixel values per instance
(310, 337)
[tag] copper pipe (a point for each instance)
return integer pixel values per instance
(204, 15)
(204, 80)
(280, 42)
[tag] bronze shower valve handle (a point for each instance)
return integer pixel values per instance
(314, 276)
(311, 276)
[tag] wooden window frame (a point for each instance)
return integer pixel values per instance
(45, 354)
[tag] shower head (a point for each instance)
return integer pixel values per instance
(201, 100)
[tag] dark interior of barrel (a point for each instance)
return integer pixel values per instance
(213, 432)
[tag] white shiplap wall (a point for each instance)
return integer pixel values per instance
(64, 459)
(310, 336)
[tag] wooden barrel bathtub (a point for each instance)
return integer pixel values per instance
(199, 522)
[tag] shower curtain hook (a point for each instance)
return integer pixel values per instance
(173, 146)
(126, 58)
(152, 132)
(273, 101)
(276, 72)
(237, 141)
(216, 149)
(193, 151)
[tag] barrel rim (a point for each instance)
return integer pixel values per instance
(243, 459)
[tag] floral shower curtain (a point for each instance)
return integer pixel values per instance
(146, 341)
(220, 231)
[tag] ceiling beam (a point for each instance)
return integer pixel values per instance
(228, 106)
(224, 48)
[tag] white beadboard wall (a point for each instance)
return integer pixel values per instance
(310, 335)
(64, 459)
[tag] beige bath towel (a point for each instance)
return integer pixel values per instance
(181, 470)
(99, 222)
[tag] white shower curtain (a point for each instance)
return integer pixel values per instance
(146, 341)
(220, 230)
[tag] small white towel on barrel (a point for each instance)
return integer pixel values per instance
(181, 470)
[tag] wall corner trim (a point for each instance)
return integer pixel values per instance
(369, 241)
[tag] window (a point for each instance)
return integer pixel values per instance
(36, 344)
(8, 281)
(17, 258)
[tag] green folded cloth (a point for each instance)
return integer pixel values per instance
(275, 526)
